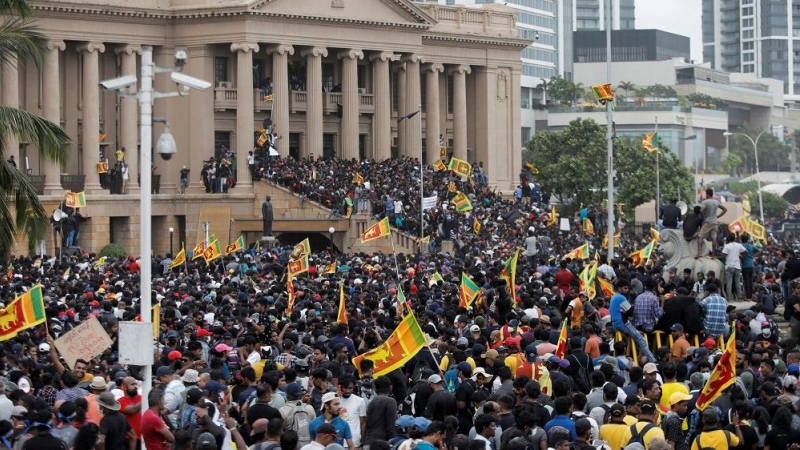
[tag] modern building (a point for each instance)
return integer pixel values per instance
(754, 36)
(378, 59)
(630, 45)
(591, 15)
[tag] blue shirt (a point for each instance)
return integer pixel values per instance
(747, 257)
(562, 421)
(342, 428)
(615, 309)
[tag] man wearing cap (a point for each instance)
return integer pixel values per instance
(115, 429)
(645, 428)
(680, 345)
(613, 431)
(672, 424)
(331, 408)
(712, 436)
(441, 403)
(326, 435)
(463, 394)
(296, 409)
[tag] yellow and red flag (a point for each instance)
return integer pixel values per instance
(451, 187)
(439, 165)
(581, 252)
(606, 287)
(588, 227)
(462, 203)
(604, 93)
(476, 225)
(290, 292)
(561, 347)
(212, 252)
(341, 317)
(358, 179)
(509, 274)
(757, 231)
(723, 375)
(616, 241)
(303, 248)
(330, 268)
(75, 199)
(298, 266)
(460, 167)
(376, 231)
(740, 223)
(640, 257)
(26, 311)
(654, 234)
(402, 303)
(437, 277)
(469, 290)
(404, 343)
(180, 259)
(534, 170)
(262, 139)
(553, 219)
(238, 245)
(198, 250)
(650, 142)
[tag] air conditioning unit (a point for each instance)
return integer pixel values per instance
(224, 84)
(362, 91)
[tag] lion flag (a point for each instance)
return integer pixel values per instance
(341, 316)
(561, 347)
(376, 231)
(581, 252)
(469, 290)
(303, 248)
(179, 260)
(406, 341)
(238, 245)
(723, 375)
(298, 266)
(460, 167)
(212, 252)
(75, 199)
(26, 311)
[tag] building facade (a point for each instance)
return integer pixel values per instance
(630, 45)
(333, 76)
(591, 15)
(754, 36)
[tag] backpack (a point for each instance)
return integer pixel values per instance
(408, 402)
(754, 392)
(300, 422)
(727, 436)
(606, 414)
(638, 437)
(582, 373)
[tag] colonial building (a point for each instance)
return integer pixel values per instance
(333, 76)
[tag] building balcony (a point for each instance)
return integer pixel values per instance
(225, 98)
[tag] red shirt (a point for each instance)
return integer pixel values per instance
(135, 420)
(564, 280)
(152, 425)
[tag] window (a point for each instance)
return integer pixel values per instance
(749, 68)
(525, 98)
(449, 94)
(747, 23)
(221, 139)
(526, 135)
(748, 11)
(395, 91)
(747, 45)
(748, 57)
(539, 54)
(220, 69)
(747, 34)
(536, 20)
(532, 70)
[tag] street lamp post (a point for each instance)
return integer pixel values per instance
(331, 230)
(166, 148)
(171, 230)
(758, 180)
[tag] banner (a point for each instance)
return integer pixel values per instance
(85, 341)
(429, 202)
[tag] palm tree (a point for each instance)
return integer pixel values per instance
(20, 209)
(543, 86)
(626, 86)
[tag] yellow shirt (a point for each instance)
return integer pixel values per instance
(651, 434)
(715, 439)
(612, 433)
(667, 389)
(630, 420)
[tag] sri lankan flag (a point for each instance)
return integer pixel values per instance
(212, 252)
(581, 252)
(26, 311)
(460, 167)
(650, 142)
(552, 221)
(303, 248)
(451, 187)
(588, 227)
(476, 225)
(238, 245)
(654, 234)
(606, 287)
(462, 202)
(616, 241)
(604, 93)
(469, 290)
(757, 231)
(641, 256)
(439, 165)
(75, 199)
(376, 231)
(180, 259)
(199, 249)
(290, 293)
(723, 375)
(330, 268)
(262, 139)
(358, 179)
(534, 170)
(155, 314)
(298, 266)
(509, 274)
(740, 223)
(341, 316)
(401, 301)
(406, 341)
(586, 280)
(437, 277)
(561, 347)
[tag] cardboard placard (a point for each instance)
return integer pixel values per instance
(86, 341)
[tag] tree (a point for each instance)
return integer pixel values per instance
(626, 86)
(543, 86)
(772, 153)
(20, 209)
(572, 167)
(774, 205)
(565, 91)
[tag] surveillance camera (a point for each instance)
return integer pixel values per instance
(166, 145)
(116, 84)
(190, 82)
(181, 55)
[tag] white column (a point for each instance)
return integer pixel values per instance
(402, 141)
(280, 82)
(245, 115)
(314, 101)
(10, 85)
(90, 117)
(432, 72)
(51, 110)
(459, 74)
(129, 117)
(412, 102)
(350, 102)
(382, 129)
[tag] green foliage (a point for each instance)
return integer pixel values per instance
(774, 205)
(626, 86)
(772, 153)
(701, 100)
(657, 91)
(572, 167)
(564, 91)
(114, 251)
(740, 188)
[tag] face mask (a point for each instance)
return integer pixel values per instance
(776, 362)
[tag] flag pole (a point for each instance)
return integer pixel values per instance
(396, 268)
(421, 182)
(658, 176)
(610, 229)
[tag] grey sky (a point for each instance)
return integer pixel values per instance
(676, 16)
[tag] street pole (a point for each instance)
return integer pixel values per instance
(758, 179)
(610, 143)
(171, 230)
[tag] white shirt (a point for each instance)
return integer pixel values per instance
(353, 409)
(313, 445)
(732, 252)
(253, 358)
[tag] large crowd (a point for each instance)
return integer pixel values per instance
(236, 367)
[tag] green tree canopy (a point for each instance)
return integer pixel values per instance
(772, 153)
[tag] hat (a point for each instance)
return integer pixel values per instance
(617, 410)
(648, 407)
(193, 395)
(709, 343)
(434, 379)
(749, 313)
(328, 429)
(793, 369)
(490, 354)
(207, 441)
(710, 414)
(678, 397)
(421, 424)
(477, 350)
(173, 355)
(531, 353)
(44, 347)
(164, 370)
(328, 396)
(98, 383)
(404, 421)
(464, 368)
(650, 368)
(479, 371)
(190, 376)
(554, 360)
(564, 364)
(676, 327)
(769, 388)
(474, 329)
(462, 342)
(108, 401)
(513, 341)
(19, 411)
(222, 347)
(544, 319)
(259, 426)
(294, 391)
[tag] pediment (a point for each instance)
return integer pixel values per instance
(399, 12)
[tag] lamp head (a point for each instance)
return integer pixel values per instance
(331, 230)
(727, 133)
(171, 230)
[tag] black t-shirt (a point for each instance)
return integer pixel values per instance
(670, 214)
(464, 393)
(792, 269)
(262, 411)
(44, 442)
(114, 426)
(748, 433)
(440, 405)
(692, 225)
(793, 300)
(777, 439)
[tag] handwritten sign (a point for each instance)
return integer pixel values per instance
(86, 341)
